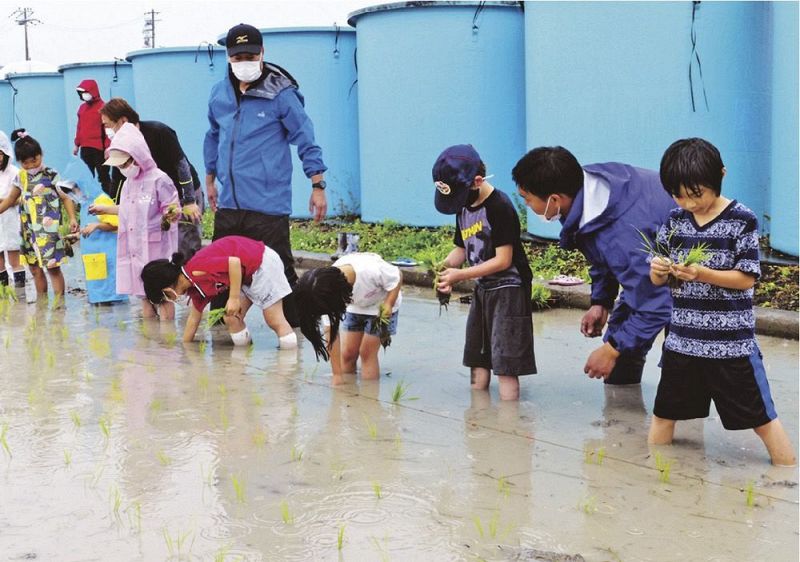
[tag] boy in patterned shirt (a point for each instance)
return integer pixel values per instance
(711, 352)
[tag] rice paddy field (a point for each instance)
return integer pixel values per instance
(118, 442)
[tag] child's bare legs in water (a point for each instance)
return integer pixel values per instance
(358, 345)
(509, 384)
(273, 316)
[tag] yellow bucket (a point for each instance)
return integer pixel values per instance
(95, 267)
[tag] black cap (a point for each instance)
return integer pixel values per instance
(243, 38)
(453, 175)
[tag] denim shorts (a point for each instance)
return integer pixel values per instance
(367, 323)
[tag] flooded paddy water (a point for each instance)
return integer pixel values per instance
(120, 443)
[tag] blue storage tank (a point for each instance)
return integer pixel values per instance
(322, 60)
(114, 79)
(783, 204)
(172, 85)
(433, 74)
(6, 107)
(39, 108)
(609, 81)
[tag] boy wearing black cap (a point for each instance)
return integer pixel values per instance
(499, 334)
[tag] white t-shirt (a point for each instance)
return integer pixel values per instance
(374, 279)
(595, 197)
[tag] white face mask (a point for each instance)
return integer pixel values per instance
(130, 172)
(86, 96)
(543, 216)
(247, 71)
(109, 133)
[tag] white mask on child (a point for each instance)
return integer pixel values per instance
(109, 133)
(543, 216)
(86, 96)
(130, 171)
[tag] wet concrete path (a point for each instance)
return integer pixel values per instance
(123, 444)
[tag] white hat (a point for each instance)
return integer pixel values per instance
(116, 157)
(5, 145)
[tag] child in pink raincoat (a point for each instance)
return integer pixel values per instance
(148, 213)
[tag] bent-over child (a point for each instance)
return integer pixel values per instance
(711, 352)
(246, 269)
(370, 318)
(499, 334)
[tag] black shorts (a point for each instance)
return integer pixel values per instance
(738, 387)
(500, 331)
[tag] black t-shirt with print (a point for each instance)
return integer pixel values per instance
(482, 229)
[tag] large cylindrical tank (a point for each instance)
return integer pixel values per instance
(172, 85)
(6, 108)
(39, 108)
(322, 60)
(783, 204)
(610, 82)
(430, 75)
(114, 80)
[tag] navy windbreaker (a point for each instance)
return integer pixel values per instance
(613, 247)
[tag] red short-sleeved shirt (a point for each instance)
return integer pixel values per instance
(213, 262)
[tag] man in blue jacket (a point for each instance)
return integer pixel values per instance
(254, 114)
(601, 207)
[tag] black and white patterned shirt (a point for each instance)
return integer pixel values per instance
(708, 320)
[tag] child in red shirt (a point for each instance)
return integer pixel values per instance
(246, 268)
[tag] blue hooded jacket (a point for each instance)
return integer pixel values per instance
(613, 247)
(247, 144)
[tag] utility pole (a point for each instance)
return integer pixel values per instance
(149, 30)
(24, 18)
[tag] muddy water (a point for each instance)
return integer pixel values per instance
(125, 445)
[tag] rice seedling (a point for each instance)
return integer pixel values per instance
(163, 458)
(435, 267)
(4, 441)
(222, 389)
(76, 418)
(116, 500)
(286, 515)
(338, 470)
(115, 394)
(400, 391)
(67, 458)
(592, 456)
(258, 400)
(663, 466)
(381, 547)
(376, 488)
(64, 333)
(750, 497)
(202, 383)
(175, 545)
(492, 525)
(105, 426)
(238, 488)
(340, 538)
(384, 320)
(6, 341)
(250, 349)
(372, 428)
(50, 358)
(122, 325)
(503, 486)
(223, 417)
(170, 338)
(697, 254)
(221, 554)
(35, 354)
(202, 347)
(156, 406)
(293, 411)
(88, 376)
(540, 296)
(478, 525)
(58, 302)
(259, 437)
(588, 505)
(137, 516)
(297, 453)
(214, 317)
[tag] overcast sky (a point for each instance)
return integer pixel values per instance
(95, 30)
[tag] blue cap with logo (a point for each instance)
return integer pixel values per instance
(453, 175)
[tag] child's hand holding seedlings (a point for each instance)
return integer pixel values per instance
(685, 272)
(449, 277)
(170, 216)
(233, 307)
(89, 228)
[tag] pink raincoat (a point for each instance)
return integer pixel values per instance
(144, 200)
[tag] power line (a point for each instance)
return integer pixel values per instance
(24, 18)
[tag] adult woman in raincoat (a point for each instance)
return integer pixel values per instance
(148, 210)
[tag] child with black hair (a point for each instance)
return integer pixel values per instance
(246, 269)
(40, 216)
(710, 352)
(9, 220)
(361, 293)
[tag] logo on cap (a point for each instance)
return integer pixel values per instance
(442, 187)
(241, 39)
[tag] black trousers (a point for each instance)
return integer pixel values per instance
(272, 230)
(94, 158)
